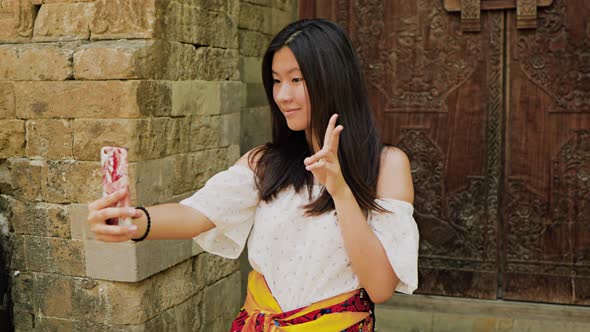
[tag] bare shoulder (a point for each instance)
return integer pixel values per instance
(395, 175)
(250, 158)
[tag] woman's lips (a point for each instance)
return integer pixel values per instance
(291, 111)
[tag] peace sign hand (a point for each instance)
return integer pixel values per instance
(325, 165)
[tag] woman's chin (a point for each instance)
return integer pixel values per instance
(295, 126)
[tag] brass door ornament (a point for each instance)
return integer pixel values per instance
(526, 11)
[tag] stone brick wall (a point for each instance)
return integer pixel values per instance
(176, 81)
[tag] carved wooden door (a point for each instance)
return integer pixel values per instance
(497, 126)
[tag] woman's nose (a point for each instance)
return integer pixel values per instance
(284, 93)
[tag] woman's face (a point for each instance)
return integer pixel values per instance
(290, 90)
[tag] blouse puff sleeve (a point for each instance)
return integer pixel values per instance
(398, 233)
(229, 199)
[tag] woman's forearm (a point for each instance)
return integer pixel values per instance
(172, 221)
(367, 256)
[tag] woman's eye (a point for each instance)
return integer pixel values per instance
(297, 80)
(275, 81)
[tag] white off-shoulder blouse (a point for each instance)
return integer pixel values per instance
(302, 258)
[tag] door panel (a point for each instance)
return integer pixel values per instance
(497, 128)
(547, 188)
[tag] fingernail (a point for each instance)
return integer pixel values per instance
(132, 228)
(131, 212)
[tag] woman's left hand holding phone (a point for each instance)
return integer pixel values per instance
(104, 209)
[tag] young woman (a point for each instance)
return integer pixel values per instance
(326, 206)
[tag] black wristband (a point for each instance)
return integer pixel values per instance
(149, 223)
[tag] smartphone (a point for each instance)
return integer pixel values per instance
(114, 165)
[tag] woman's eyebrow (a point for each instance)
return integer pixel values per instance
(289, 71)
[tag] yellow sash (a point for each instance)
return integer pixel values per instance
(259, 301)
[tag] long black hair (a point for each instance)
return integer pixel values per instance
(332, 73)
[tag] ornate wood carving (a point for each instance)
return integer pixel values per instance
(471, 15)
(455, 5)
(420, 62)
(526, 14)
(545, 55)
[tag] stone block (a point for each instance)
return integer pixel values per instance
(285, 5)
(39, 219)
(256, 127)
(12, 138)
(396, 319)
(151, 181)
(71, 181)
(78, 220)
(194, 169)
(76, 99)
(123, 19)
(216, 64)
(195, 98)
(221, 301)
(27, 178)
(233, 154)
(251, 69)
(253, 43)
(230, 129)
(18, 260)
(111, 60)
(212, 268)
(183, 317)
(7, 103)
(255, 17)
(205, 132)
(49, 139)
(258, 2)
(44, 62)
(63, 22)
(24, 321)
(92, 134)
(188, 23)
(53, 324)
(255, 95)
(5, 178)
(55, 255)
(178, 139)
(16, 21)
(230, 94)
(280, 18)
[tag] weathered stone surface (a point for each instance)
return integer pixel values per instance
(49, 139)
(192, 24)
(12, 138)
(123, 19)
(258, 2)
(72, 181)
(55, 255)
(45, 62)
(205, 132)
(39, 219)
(151, 181)
(194, 169)
(195, 98)
(110, 60)
(280, 19)
(251, 69)
(7, 107)
(22, 298)
(233, 154)
(285, 5)
(110, 99)
(5, 178)
(78, 221)
(254, 17)
(256, 127)
(212, 268)
(229, 133)
(221, 303)
(230, 94)
(253, 43)
(183, 317)
(23, 321)
(18, 261)
(16, 21)
(92, 134)
(178, 138)
(63, 21)
(216, 64)
(26, 176)
(255, 95)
